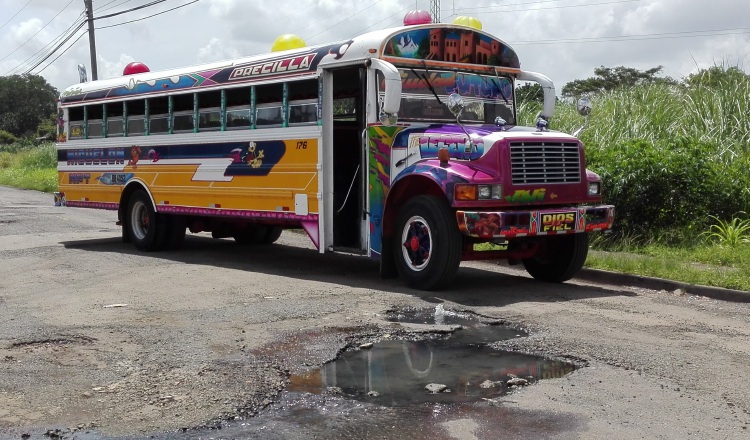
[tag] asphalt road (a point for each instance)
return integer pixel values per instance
(96, 335)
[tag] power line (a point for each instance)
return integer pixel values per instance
(34, 57)
(65, 40)
(104, 7)
(16, 14)
(584, 5)
(37, 32)
(154, 2)
(506, 5)
(654, 36)
(311, 25)
(36, 60)
(62, 53)
(149, 16)
(345, 19)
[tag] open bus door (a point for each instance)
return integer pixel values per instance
(350, 103)
(344, 161)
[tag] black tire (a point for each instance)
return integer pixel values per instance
(272, 234)
(250, 234)
(388, 268)
(125, 233)
(146, 228)
(174, 231)
(559, 259)
(427, 243)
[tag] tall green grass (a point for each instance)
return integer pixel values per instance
(675, 160)
(29, 166)
(671, 155)
(711, 113)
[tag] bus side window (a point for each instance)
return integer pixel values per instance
(75, 116)
(268, 115)
(95, 113)
(303, 113)
(136, 118)
(209, 111)
(159, 115)
(303, 102)
(238, 117)
(114, 119)
(238, 108)
(268, 112)
(182, 111)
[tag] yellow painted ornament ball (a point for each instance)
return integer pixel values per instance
(468, 21)
(286, 42)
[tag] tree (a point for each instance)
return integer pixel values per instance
(716, 76)
(25, 101)
(608, 78)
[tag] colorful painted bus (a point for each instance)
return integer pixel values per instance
(399, 144)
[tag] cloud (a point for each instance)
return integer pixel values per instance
(215, 50)
(541, 32)
(111, 69)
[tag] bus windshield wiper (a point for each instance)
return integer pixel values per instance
(424, 77)
(499, 89)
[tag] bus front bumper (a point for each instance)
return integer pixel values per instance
(511, 224)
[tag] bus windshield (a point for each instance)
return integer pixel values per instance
(424, 93)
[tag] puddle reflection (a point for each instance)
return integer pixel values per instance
(395, 373)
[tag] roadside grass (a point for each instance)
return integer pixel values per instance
(708, 264)
(29, 167)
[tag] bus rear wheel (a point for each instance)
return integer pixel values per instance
(427, 243)
(272, 234)
(559, 259)
(250, 234)
(146, 228)
(175, 230)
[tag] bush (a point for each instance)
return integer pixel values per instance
(7, 138)
(672, 185)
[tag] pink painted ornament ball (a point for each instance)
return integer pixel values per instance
(417, 17)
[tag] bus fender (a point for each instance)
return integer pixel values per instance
(418, 179)
(132, 186)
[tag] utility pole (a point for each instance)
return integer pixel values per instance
(92, 40)
(435, 10)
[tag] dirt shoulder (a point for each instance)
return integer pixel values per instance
(96, 334)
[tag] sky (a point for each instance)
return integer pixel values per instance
(563, 39)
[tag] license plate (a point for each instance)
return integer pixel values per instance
(558, 222)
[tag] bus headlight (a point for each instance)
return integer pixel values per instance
(595, 188)
(490, 192)
(467, 192)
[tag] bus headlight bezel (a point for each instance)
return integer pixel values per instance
(595, 188)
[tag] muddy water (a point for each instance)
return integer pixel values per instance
(378, 391)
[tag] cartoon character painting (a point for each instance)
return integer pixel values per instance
(135, 153)
(253, 158)
(62, 136)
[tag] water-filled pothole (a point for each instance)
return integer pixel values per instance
(458, 368)
(384, 390)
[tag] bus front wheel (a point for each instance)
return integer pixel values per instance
(427, 243)
(145, 226)
(559, 259)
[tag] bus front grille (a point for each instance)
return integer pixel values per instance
(545, 162)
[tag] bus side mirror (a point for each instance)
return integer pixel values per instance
(584, 109)
(392, 93)
(584, 106)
